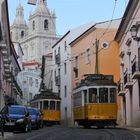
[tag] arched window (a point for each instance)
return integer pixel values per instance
(22, 34)
(33, 25)
(45, 24)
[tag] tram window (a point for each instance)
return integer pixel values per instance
(46, 104)
(77, 99)
(92, 95)
(58, 106)
(52, 105)
(103, 95)
(85, 96)
(112, 95)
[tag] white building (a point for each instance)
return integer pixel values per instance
(38, 35)
(29, 82)
(62, 71)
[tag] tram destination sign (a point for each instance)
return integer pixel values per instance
(98, 77)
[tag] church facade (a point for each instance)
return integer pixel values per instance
(38, 36)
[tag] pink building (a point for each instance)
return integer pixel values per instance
(129, 88)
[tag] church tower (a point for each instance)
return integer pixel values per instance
(19, 26)
(37, 38)
(42, 21)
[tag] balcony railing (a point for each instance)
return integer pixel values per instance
(121, 89)
(128, 82)
(136, 68)
(57, 59)
(57, 80)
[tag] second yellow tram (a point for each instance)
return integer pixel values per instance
(49, 103)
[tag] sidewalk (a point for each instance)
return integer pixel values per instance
(130, 128)
(6, 135)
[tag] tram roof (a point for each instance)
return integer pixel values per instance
(46, 94)
(97, 80)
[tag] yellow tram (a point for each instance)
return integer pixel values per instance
(49, 103)
(94, 101)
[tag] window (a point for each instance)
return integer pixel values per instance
(30, 96)
(46, 24)
(103, 95)
(52, 105)
(93, 95)
(30, 81)
(46, 105)
(77, 99)
(33, 25)
(76, 67)
(65, 91)
(65, 45)
(36, 82)
(22, 34)
(41, 106)
(88, 56)
(85, 96)
(112, 95)
(57, 105)
(65, 68)
(55, 73)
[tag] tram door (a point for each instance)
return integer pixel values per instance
(85, 101)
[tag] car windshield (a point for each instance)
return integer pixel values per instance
(32, 111)
(16, 110)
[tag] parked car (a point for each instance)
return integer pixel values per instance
(36, 117)
(17, 117)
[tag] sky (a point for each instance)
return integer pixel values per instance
(73, 13)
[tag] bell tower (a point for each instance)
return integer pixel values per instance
(19, 26)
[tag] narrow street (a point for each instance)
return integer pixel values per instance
(65, 133)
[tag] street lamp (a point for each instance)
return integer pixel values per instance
(135, 32)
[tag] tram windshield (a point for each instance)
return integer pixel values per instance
(93, 95)
(103, 95)
(46, 105)
(52, 105)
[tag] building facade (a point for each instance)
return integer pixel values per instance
(9, 66)
(62, 71)
(129, 65)
(29, 79)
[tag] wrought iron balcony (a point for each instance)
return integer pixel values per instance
(57, 59)
(128, 82)
(57, 80)
(136, 68)
(121, 89)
